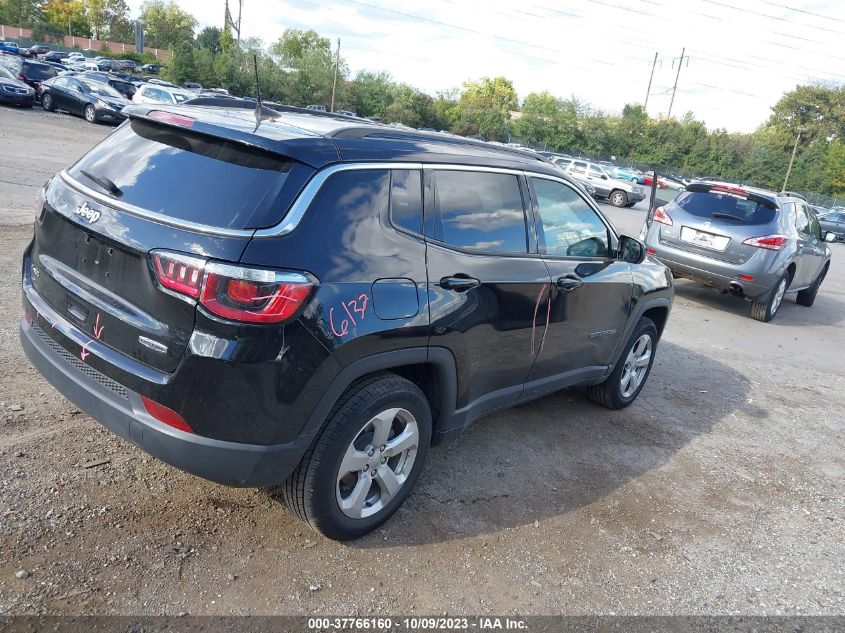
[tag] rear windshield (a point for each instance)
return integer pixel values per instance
(187, 176)
(725, 208)
(38, 71)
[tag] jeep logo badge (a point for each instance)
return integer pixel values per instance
(87, 213)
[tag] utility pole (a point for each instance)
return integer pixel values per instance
(334, 83)
(791, 159)
(675, 87)
(650, 78)
(240, 13)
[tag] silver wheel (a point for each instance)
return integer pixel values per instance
(90, 114)
(636, 366)
(776, 300)
(377, 463)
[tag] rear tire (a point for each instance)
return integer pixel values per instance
(807, 297)
(629, 376)
(339, 468)
(766, 310)
(618, 198)
(47, 103)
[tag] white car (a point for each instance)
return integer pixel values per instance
(73, 57)
(84, 65)
(151, 93)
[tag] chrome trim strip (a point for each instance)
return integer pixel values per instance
(306, 196)
(158, 218)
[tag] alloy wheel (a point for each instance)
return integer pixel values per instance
(377, 463)
(636, 366)
(778, 298)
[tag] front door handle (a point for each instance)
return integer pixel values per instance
(568, 283)
(459, 283)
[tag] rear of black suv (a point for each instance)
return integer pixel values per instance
(136, 307)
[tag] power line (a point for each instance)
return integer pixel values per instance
(770, 17)
(804, 11)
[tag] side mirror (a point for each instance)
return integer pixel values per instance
(829, 236)
(604, 177)
(631, 250)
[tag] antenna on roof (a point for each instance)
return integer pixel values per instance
(258, 107)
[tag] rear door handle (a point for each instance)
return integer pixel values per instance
(459, 283)
(568, 283)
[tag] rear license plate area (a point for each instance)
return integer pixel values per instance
(704, 239)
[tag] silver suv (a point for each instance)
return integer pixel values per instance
(619, 192)
(751, 243)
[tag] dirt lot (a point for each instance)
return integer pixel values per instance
(719, 491)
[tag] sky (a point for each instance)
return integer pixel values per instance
(741, 56)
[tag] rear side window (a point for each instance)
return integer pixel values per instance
(578, 167)
(724, 208)
(480, 211)
(406, 199)
(188, 176)
(38, 72)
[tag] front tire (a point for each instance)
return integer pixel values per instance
(90, 114)
(629, 376)
(618, 198)
(766, 310)
(366, 460)
(807, 297)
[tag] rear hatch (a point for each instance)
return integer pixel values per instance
(714, 219)
(151, 185)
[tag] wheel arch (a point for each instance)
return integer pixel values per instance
(431, 369)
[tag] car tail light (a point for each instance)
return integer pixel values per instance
(746, 278)
(661, 216)
(769, 242)
(180, 273)
(239, 293)
(21, 77)
(253, 295)
(166, 415)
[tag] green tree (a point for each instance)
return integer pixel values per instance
(67, 15)
(109, 19)
(209, 39)
(410, 107)
(370, 93)
(308, 59)
(183, 67)
(547, 120)
(166, 25)
(24, 13)
(484, 108)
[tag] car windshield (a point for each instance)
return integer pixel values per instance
(100, 90)
(725, 207)
(5, 73)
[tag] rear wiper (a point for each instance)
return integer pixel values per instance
(728, 216)
(104, 182)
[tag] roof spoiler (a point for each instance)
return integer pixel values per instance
(735, 191)
(229, 102)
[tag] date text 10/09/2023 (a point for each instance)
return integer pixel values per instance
(417, 623)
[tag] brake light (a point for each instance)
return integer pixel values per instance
(769, 242)
(731, 191)
(252, 295)
(661, 216)
(166, 415)
(239, 293)
(172, 119)
(179, 272)
(21, 77)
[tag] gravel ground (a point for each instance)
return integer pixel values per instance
(718, 492)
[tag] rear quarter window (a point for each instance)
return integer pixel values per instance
(190, 176)
(727, 209)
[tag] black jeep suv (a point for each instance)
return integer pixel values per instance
(312, 300)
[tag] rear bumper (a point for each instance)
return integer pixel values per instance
(711, 272)
(121, 411)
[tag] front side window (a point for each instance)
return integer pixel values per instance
(480, 211)
(596, 171)
(568, 225)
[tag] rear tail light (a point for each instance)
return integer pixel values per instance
(239, 293)
(166, 415)
(180, 273)
(661, 216)
(253, 295)
(769, 242)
